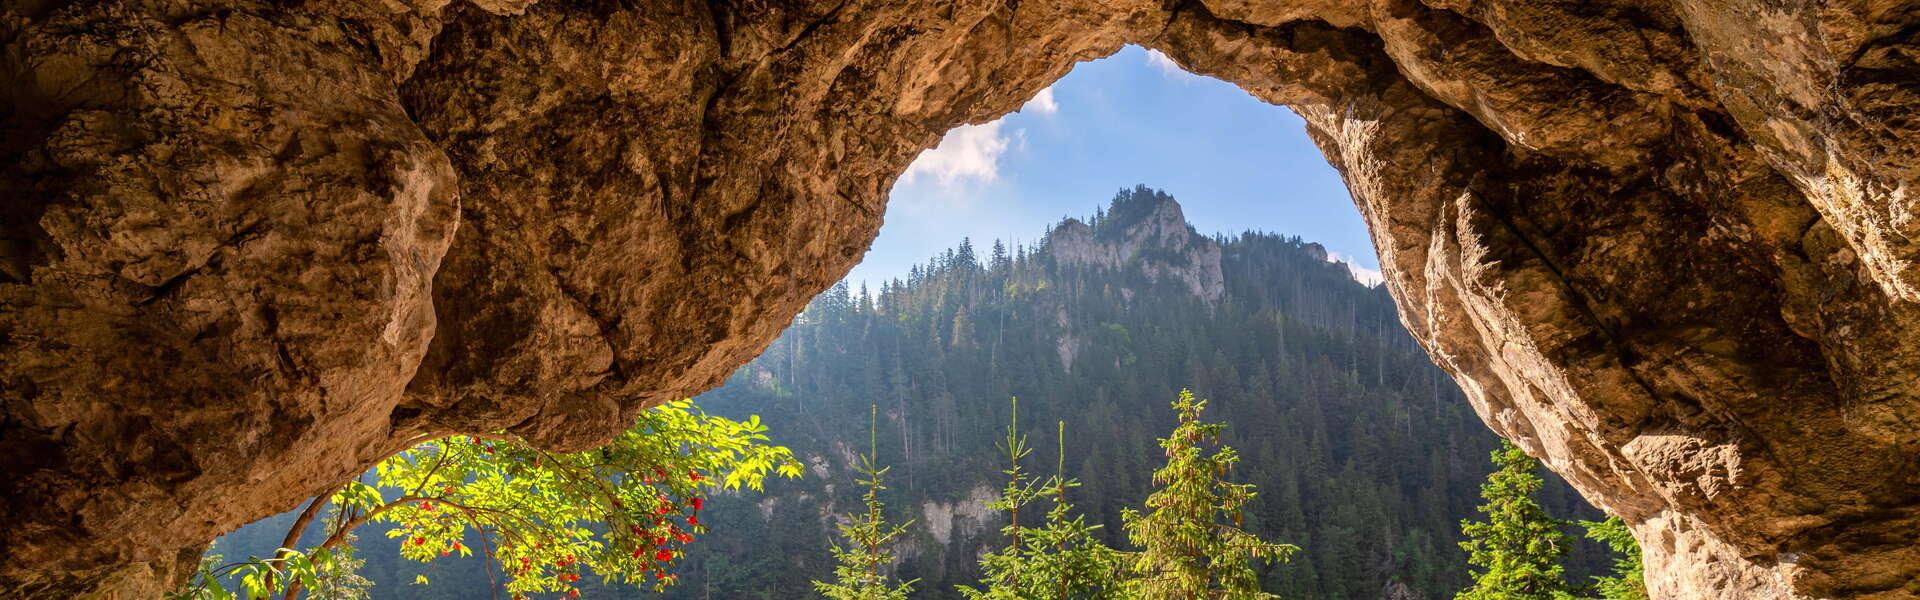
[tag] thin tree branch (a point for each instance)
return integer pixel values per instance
(292, 538)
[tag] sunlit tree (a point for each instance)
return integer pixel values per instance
(868, 539)
(1058, 558)
(1629, 578)
(541, 521)
(1190, 540)
(1518, 548)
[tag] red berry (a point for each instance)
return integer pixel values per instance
(693, 520)
(573, 593)
(684, 537)
(696, 501)
(693, 475)
(663, 555)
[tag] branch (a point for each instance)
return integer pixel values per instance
(293, 535)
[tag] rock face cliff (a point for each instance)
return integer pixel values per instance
(249, 247)
(1153, 236)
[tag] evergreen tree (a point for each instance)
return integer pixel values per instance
(1060, 558)
(859, 575)
(1629, 578)
(1186, 552)
(1518, 547)
(963, 257)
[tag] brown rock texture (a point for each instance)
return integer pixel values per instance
(247, 247)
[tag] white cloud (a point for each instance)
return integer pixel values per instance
(1042, 103)
(1366, 276)
(969, 153)
(1159, 61)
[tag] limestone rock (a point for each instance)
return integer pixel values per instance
(1157, 241)
(247, 248)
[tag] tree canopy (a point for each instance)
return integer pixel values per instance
(539, 521)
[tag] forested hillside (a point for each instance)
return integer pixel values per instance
(1366, 455)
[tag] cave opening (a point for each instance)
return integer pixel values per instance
(1207, 176)
(1668, 247)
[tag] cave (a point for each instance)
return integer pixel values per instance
(250, 248)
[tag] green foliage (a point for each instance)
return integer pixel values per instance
(1518, 548)
(1058, 560)
(255, 577)
(1187, 552)
(1340, 417)
(1629, 578)
(864, 558)
(624, 511)
(339, 578)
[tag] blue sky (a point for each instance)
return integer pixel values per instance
(1234, 162)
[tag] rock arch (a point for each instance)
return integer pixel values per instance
(250, 247)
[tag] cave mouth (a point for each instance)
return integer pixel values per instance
(251, 250)
(1235, 164)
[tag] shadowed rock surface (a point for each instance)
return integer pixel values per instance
(249, 248)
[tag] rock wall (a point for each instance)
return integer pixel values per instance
(248, 248)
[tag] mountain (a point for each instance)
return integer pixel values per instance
(1365, 454)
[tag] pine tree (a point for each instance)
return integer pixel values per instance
(1060, 558)
(964, 258)
(1518, 547)
(1186, 552)
(859, 575)
(1629, 578)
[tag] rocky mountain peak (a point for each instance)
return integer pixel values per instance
(1142, 228)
